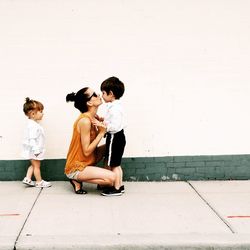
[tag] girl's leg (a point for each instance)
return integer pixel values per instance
(37, 172)
(97, 175)
(27, 179)
(30, 172)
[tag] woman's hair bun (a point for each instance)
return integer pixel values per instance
(70, 97)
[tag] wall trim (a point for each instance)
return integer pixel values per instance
(168, 168)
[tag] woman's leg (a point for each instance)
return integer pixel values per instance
(97, 175)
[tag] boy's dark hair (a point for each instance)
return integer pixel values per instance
(31, 105)
(80, 99)
(115, 85)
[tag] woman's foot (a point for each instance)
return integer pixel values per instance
(77, 188)
(100, 187)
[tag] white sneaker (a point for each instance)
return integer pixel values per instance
(43, 184)
(28, 182)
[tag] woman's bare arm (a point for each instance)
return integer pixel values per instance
(84, 126)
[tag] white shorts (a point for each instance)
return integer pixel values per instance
(73, 175)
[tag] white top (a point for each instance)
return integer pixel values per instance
(114, 116)
(34, 141)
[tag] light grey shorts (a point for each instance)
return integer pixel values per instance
(73, 175)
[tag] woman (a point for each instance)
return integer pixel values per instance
(84, 152)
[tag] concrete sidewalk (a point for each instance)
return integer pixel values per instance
(150, 215)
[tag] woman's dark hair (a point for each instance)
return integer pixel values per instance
(80, 99)
(31, 105)
(115, 85)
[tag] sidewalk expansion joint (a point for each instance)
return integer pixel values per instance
(18, 236)
(213, 209)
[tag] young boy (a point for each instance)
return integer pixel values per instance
(112, 90)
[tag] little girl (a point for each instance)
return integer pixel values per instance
(33, 146)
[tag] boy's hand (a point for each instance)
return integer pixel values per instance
(101, 126)
(100, 119)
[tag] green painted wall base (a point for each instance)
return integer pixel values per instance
(169, 168)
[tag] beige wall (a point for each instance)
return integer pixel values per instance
(185, 65)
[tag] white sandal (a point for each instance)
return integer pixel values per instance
(43, 184)
(28, 182)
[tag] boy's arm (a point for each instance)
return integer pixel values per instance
(99, 118)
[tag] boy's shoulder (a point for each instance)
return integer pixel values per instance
(114, 104)
(117, 102)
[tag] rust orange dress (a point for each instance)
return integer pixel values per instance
(75, 157)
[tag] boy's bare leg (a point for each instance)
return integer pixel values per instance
(118, 172)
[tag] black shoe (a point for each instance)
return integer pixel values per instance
(79, 191)
(112, 191)
(122, 189)
(100, 188)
